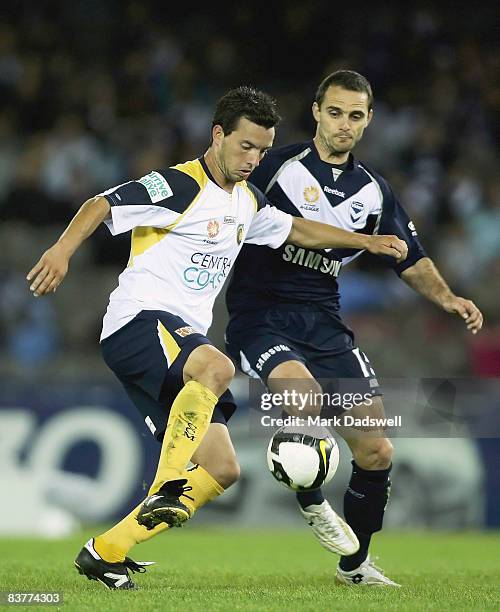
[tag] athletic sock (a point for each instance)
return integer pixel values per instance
(114, 545)
(188, 422)
(364, 505)
(353, 561)
(309, 498)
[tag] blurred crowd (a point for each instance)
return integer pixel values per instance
(95, 93)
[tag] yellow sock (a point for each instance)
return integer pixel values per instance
(113, 545)
(187, 423)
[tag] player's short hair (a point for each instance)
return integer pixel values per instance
(347, 79)
(256, 106)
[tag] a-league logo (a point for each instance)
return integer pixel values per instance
(311, 194)
(213, 228)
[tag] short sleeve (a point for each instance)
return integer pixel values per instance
(394, 220)
(270, 227)
(155, 200)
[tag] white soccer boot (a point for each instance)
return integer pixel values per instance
(333, 533)
(367, 574)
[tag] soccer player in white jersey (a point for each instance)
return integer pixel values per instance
(289, 298)
(188, 224)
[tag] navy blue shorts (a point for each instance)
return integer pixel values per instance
(148, 356)
(258, 341)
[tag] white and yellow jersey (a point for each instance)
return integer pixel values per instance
(186, 234)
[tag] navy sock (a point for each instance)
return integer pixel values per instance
(364, 505)
(353, 561)
(308, 498)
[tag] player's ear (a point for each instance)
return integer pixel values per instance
(315, 111)
(217, 134)
(370, 116)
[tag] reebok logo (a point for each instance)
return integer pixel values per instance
(336, 192)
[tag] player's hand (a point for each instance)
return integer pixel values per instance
(466, 309)
(388, 245)
(50, 270)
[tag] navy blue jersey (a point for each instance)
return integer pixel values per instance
(355, 198)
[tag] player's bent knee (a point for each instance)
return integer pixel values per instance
(221, 370)
(293, 378)
(210, 367)
(374, 454)
(385, 452)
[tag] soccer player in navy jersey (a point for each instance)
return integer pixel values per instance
(188, 223)
(285, 325)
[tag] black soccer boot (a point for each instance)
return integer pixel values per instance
(164, 506)
(112, 575)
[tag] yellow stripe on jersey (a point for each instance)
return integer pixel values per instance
(194, 169)
(168, 343)
(144, 238)
(250, 193)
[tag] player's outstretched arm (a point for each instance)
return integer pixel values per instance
(425, 278)
(315, 235)
(52, 266)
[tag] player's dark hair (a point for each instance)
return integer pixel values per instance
(347, 79)
(256, 106)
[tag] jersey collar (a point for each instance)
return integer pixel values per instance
(347, 168)
(210, 176)
(206, 170)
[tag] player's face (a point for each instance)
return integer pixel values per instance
(342, 119)
(241, 151)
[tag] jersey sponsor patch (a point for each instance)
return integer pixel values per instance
(185, 331)
(206, 271)
(157, 187)
(269, 353)
(311, 259)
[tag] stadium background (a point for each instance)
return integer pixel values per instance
(94, 93)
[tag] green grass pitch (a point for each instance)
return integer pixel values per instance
(215, 569)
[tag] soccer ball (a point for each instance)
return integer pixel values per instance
(303, 458)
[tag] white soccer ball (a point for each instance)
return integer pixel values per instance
(303, 458)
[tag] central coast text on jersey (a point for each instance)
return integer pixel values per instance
(206, 271)
(351, 196)
(186, 234)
